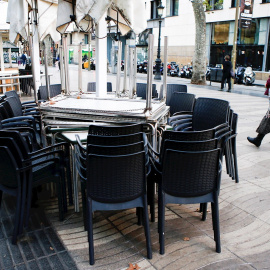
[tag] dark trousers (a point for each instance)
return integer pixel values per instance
(224, 78)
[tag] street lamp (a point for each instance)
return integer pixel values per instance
(158, 60)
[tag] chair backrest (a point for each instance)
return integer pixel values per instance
(13, 93)
(171, 88)
(3, 112)
(15, 106)
(190, 174)
(111, 130)
(55, 89)
(234, 123)
(115, 140)
(8, 109)
(9, 176)
(142, 88)
(115, 150)
(18, 139)
(116, 179)
(209, 113)
(181, 102)
(91, 87)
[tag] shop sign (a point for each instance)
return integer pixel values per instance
(246, 10)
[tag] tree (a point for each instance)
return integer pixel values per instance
(199, 59)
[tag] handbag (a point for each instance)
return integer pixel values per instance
(232, 73)
(266, 91)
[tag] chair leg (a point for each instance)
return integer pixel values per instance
(213, 220)
(17, 218)
(204, 212)
(151, 198)
(60, 200)
(28, 203)
(85, 216)
(69, 182)
(235, 162)
(161, 218)
(90, 232)
(139, 215)
(146, 228)
(216, 225)
(1, 195)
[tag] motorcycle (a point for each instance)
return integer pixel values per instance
(239, 75)
(207, 75)
(249, 76)
(174, 71)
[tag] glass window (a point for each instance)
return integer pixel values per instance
(249, 35)
(70, 36)
(265, 1)
(172, 7)
(233, 3)
(220, 33)
(85, 39)
(154, 5)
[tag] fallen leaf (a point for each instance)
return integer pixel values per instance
(186, 238)
(133, 267)
(78, 97)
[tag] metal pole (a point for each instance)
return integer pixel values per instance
(46, 72)
(158, 60)
(118, 76)
(80, 68)
(135, 72)
(65, 48)
(125, 69)
(164, 88)
(9, 56)
(89, 50)
(62, 74)
(1, 53)
(131, 72)
(235, 37)
(149, 71)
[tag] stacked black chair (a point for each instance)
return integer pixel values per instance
(55, 89)
(91, 87)
(22, 170)
(24, 105)
(116, 182)
(181, 102)
(142, 89)
(171, 88)
(190, 177)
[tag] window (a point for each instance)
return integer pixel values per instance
(214, 4)
(233, 4)
(221, 33)
(265, 1)
(172, 7)
(154, 5)
(250, 36)
(70, 39)
(85, 39)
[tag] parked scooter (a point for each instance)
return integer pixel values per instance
(239, 74)
(249, 76)
(174, 71)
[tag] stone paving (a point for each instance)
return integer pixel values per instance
(244, 213)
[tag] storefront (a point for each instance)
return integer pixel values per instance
(251, 43)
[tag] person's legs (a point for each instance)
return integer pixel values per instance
(229, 84)
(222, 81)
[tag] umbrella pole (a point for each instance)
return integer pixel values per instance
(1, 53)
(80, 68)
(125, 69)
(35, 63)
(149, 72)
(65, 49)
(119, 60)
(131, 72)
(46, 72)
(62, 74)
(135, 71)
(164, 88)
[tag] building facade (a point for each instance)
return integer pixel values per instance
(179, 25)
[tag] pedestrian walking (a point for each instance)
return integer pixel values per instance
(23, 59)
(226, 73)
(264, 127)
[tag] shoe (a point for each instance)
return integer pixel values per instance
(221, 89)
(256, 141)
(229, 90)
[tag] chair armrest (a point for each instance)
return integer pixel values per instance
(183, 112)
(183, 127)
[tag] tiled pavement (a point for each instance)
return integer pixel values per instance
(244, 217)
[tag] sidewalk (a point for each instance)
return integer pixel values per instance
(244, 207)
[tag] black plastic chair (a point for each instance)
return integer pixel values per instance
(26, 171)
(207, 113)
(24, 105)
(188, 178)
(55, 89)
(107, 189)
(142, 88)
(171, 88)
(91, 87)
(181, 102)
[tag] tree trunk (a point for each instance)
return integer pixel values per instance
(199, 59)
